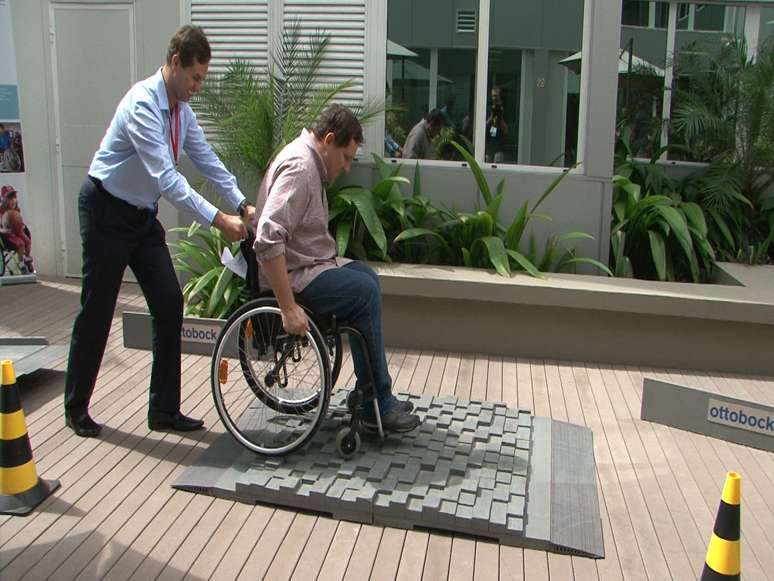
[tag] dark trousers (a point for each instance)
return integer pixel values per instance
(115, 235)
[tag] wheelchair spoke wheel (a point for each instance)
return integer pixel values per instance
(270, 389)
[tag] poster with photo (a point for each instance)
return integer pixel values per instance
(15, 236)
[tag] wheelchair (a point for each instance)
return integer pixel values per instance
(271, 389)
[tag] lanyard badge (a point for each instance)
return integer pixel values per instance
(174, 132)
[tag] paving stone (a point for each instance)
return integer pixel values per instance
(465, 470)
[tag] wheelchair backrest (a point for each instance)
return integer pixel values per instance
(251, 279)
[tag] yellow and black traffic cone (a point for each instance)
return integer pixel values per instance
(723, 560)
(20, 488)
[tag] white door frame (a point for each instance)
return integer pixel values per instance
(53, 7)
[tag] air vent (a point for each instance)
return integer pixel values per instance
(466, 20)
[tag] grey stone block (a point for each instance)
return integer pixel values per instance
(466, 469)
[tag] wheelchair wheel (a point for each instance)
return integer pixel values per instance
(271, 390)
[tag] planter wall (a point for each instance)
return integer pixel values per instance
(721, 327)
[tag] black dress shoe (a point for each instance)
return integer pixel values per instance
(83, 426)
(176, 421)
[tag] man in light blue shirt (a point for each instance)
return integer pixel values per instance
(135, 165)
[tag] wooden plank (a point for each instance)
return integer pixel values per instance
(196, 541)
(540, 402)
(337, 559)
(510, 383)
(478, 387)
(494, 384)
(438, 557)
(435, 376)
(388, 555)
(450, 371)
(267, 545)
(126, 472)
(535, 565)
(487, 560)
(233, 561)
(412, 559)
(363, 553)
(465, 377)
(669, 539)
(463, 558)
(644, 533)
(631, 563)
(310, 562)
(292, 546)
(524, 385)
(511, 563)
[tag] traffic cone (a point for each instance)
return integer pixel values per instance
(20, 488)
(723, 560)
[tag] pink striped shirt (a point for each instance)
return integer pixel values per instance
(292, 211)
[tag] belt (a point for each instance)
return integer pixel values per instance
(97, 182)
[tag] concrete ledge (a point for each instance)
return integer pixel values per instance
(718, 327)
(584, 318)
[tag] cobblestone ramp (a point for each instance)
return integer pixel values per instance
(472, 467)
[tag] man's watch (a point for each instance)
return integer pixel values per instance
(241, 208)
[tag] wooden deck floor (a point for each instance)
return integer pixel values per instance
(117, 517)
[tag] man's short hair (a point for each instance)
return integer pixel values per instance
(435, 118)
(340, 121)
(189, 43)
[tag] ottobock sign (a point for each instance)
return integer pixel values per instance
(740, 416)
(750, 423)
(199, 333)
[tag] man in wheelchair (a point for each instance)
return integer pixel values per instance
(297, 254)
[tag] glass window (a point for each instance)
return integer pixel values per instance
(703, 62)
(662, 14)
(641, 66)
(533, 83)
(709, 17)
(635, 13)
(683, 16)
(431, 77)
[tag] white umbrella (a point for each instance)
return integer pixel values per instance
(396, 50)
(639, 65)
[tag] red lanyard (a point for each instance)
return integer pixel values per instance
(174, 136)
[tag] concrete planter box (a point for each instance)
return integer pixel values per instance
(719, 327)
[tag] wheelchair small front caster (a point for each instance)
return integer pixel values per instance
(347, 442)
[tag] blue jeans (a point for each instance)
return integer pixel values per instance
(353, 294)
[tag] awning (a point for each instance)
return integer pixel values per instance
(639, 65)
(396, 50)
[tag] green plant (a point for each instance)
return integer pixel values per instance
(478, 239)
(212, 290)
(658, 236)
(366, 222)
(724, 112)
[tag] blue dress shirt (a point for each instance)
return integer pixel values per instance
(135, 161)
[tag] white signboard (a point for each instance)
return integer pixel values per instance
(741, 416)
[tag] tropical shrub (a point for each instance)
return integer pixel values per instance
(212, 290)
(478, 239)
(724, 114)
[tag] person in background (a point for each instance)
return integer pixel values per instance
(13, 228)
(496, 128)
(419, 143)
